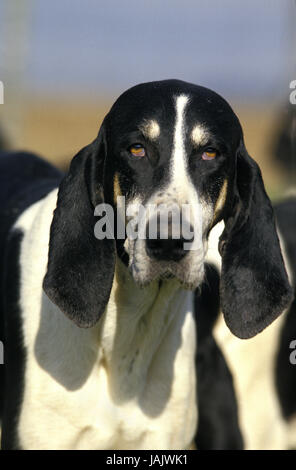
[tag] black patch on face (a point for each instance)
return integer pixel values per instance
(156, 101)
(223, 134)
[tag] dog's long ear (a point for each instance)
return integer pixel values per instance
(80, 267)
(254, 285)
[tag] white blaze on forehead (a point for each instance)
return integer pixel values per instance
(179, 157)
(150, 129)
(199, 135)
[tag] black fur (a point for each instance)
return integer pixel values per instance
(80, 267)
(218, 426)
(254, 284)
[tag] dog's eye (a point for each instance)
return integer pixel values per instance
(137, 150)
(209, 154)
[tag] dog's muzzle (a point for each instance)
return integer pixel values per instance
(168, 240)
(169, 244)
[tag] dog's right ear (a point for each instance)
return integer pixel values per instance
(80, 268)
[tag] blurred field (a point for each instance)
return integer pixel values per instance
(57, 130)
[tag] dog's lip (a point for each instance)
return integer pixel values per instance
(168, 276)
(167, 271)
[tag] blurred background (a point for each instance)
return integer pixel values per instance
(64, 62)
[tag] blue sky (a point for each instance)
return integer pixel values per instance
(104, 46)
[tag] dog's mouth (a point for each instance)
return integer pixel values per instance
(186, 276)
(166, 276)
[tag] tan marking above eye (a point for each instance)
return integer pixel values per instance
(137, 150)
(199, 135)
(150, 129)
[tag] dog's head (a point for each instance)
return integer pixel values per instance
(169, 162)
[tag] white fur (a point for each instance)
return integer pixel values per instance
(179, 171)
(127, 383)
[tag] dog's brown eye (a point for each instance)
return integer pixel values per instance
(137, 150)
(209, 154)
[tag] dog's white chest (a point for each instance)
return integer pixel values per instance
(161, 413)
(137, 390)
(76, 405)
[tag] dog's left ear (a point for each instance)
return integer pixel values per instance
(254, 285)
(80, 268)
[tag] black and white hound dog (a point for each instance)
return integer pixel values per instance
(99, 334)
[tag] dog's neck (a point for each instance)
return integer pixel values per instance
(134, 330)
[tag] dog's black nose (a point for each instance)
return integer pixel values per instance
(167, 243)
(166, 250)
